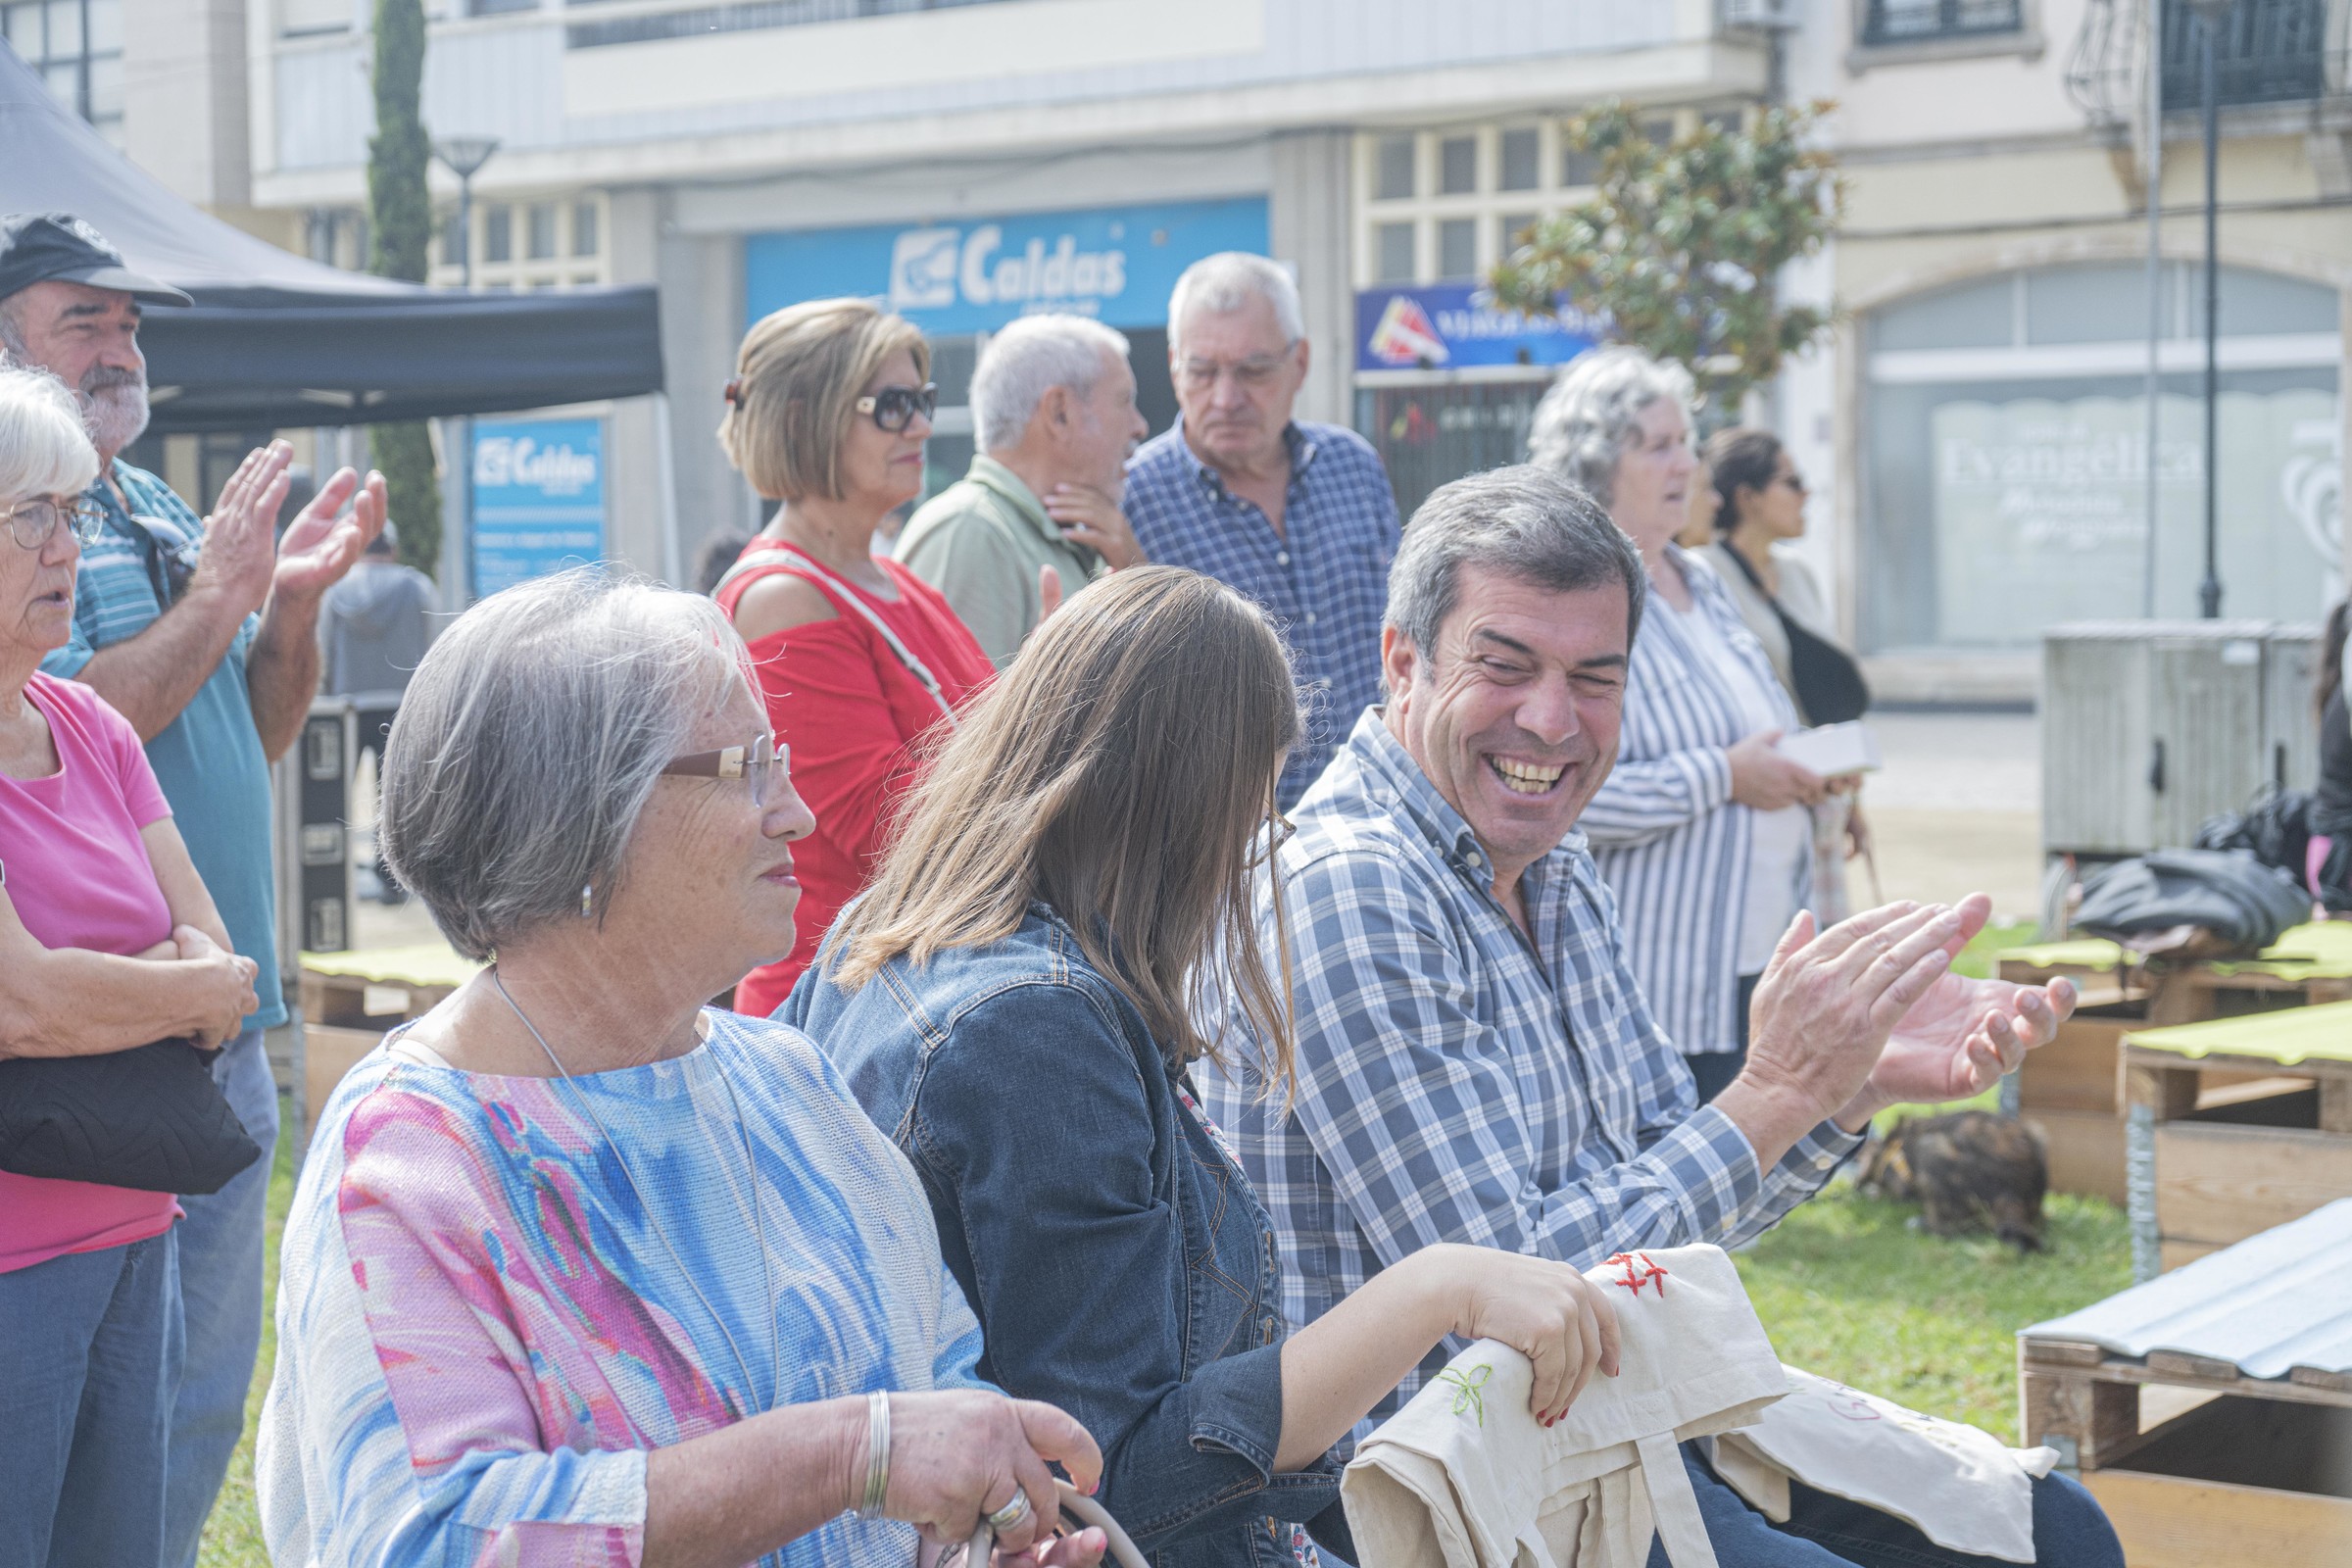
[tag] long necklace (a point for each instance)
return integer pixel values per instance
(654, 1223)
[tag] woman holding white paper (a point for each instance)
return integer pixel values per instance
(1701, 830)
(1759, 508)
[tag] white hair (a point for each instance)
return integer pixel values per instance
(44, 451)
(1029, 359)
(531, 737)
(1229, 280)
(1582, 425)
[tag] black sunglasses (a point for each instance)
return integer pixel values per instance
(894, 407)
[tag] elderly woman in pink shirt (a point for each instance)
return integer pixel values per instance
(108, 940)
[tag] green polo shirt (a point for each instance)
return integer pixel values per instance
(980, 542)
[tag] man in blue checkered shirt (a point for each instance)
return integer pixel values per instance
(203, 634)
(1298, 516)
(1474, 1061)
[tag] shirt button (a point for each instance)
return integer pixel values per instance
(1824, 1161)
(1282, 558)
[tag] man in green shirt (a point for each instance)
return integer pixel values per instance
(1053, 406)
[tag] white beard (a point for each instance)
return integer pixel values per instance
(116, 415)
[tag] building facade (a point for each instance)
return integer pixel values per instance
(1975, 430)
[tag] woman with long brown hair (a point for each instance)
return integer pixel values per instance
(1017, 999)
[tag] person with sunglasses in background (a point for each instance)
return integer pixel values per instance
(858, 658)
(1297, 517)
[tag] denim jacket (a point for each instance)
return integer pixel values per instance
(1120, 1263)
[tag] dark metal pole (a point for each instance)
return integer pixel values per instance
(2209, 591)
(466, 424)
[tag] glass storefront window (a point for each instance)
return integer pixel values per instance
(2006, 456)
(1431, 435)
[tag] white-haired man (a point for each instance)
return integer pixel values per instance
(1054, 405)
(1298, 516)
(204, 634)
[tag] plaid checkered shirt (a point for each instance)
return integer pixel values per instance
(1324, 579)
(1459, 1082)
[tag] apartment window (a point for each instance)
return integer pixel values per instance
(1521, 160)
(554, 241)
(1579, 166)
(2269, 52)
(76, 48)
(1895, 22)
(1393, 252)
(1457, 248)
(1457, 166)
(1509, 228)
(297, 18)
(1394, 180)
(499, 8)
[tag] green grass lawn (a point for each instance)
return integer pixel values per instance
(232, 1537)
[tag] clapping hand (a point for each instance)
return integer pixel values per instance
(319, 547)
(1960, 1037)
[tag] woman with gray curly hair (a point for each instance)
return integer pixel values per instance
(580, 1269)
(1701, 830)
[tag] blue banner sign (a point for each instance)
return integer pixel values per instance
(1448, 326)
(1117, 263)
(538, 499)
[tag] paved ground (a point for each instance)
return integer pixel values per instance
(1957, 808)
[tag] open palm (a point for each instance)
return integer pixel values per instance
(1963, 1034)
(318, 547)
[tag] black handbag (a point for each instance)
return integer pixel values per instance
(1829, 687)
(150, 1118)
(2240, 904)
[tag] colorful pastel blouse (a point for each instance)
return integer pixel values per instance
(487, 1317)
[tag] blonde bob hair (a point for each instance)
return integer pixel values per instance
(798, 378)
(1122, 771)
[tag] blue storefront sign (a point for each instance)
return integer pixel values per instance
(973, 276)
(538, 499)
(1450, 327)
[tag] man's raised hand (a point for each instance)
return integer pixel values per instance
(321, 546)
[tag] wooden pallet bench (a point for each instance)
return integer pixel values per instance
(349, 1000)
(2307, 965)
(2234, 1125)
(2197, 1460)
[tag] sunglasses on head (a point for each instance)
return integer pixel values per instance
(894, 407)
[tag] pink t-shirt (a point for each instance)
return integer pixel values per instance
(79, 876)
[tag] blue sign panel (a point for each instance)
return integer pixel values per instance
(538, 499)
(1115, 262)
(1445, 326)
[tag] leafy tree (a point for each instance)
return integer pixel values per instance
(400, 223)
(1681, 243)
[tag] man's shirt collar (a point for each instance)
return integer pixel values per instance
(990, 474)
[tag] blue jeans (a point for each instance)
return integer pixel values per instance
(89, 1359)
(1826, 1532)
(221, 1288)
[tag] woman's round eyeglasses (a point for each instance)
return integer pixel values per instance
(32, 522)
(894, 407)
(763, 764)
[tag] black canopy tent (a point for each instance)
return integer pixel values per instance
(276, 340)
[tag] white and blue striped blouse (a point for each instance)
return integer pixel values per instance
(1665, 833)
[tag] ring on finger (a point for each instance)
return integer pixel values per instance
(1012, 1515)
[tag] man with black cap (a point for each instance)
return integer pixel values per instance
(204, 634)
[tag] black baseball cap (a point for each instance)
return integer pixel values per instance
(36, 247)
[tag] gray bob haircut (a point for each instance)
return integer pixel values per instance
(1584, 422)
(44, 449)
(1525, 522)
(531, 737)
(1229, 280)
(1030, 357)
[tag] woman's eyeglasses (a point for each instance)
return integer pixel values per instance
(763, 764)
(32, 522)
(894, 407)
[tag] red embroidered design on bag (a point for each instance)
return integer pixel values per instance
(1639, 1270)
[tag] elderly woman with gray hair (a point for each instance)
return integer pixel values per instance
(581, 1271)
(1701, 830)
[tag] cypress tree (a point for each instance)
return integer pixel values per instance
(400, 223)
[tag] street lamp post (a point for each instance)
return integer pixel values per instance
(2208, 30)
(464, 155)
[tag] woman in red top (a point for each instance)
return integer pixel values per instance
(858, 659)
